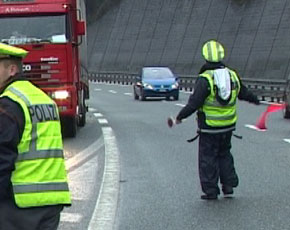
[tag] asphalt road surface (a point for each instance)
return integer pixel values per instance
(128, 170)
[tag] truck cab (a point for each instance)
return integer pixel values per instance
(53, 31)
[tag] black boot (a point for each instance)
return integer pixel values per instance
(208, 197)
(228, 191)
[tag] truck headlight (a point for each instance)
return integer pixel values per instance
(61, 94)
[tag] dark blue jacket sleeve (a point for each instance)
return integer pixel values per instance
(11, 129)
(196, 100)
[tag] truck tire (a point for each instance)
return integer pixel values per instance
(286, 112)
(82, 116)
(83, 110)
(69, 126)
(82, 119)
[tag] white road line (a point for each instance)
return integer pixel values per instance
(92, 109)
(181, 105)
(70, 217)
(255, 128)
(97, 89)
(128, 94)
(84, 154)
(98, 115)
(287, 140)
(105, 210)
(112, 91)
(103, 121)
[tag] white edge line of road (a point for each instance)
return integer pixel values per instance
(255, 128)
(103, 217)
(287, 140)
(84, 154)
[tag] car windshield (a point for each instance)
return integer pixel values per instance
(157, 73)
(23, 30)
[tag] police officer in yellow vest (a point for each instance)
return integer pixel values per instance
(33, 180)
(214, 98)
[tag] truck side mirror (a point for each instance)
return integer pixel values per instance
(81, 28)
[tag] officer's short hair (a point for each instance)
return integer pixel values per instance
(13, 61)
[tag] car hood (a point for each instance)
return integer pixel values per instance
(164, 81)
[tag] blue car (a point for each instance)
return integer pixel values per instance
(156, 82)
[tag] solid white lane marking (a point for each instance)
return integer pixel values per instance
(70, 217)
(97, 89)
(128, 94)
(287, 140)
(92, 109)
(103, 121)
(105, 210)
(112, 91)
(181, 105)
(255, 128)
(98, 115)
(84, 154)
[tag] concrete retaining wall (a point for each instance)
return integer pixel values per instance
(134, 33)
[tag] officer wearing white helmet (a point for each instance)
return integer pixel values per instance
(214, 98)
(33, 179)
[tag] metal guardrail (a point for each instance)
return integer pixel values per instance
(267, 90)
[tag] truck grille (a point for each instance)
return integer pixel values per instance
(40, 71)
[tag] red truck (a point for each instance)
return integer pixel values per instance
(54, 33)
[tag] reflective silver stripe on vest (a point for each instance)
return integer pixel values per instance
(217, 130)
(40, 154)
(19, 94)
(32, 188)
(217, 104)
(219, 118)
(32, 146)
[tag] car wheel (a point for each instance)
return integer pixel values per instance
(286, 112)
(143, 98)
(176, 97)
(136, 97)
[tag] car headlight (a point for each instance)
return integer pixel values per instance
(174, 86)
(148, 86)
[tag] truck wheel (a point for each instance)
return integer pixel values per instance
(286, 112)
(69, 126)
(82, 117)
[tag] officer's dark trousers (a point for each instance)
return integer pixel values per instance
(40, 218)
(216, 162)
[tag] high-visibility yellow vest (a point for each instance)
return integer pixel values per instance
(216, 114)
(40, 177)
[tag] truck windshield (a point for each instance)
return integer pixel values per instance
(23, 30)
